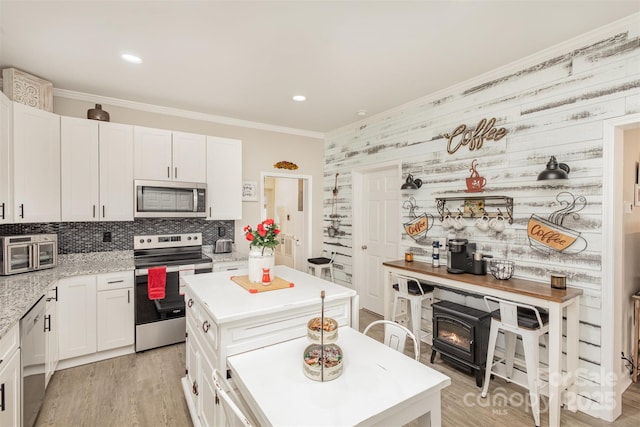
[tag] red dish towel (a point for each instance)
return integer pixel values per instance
(156, 282)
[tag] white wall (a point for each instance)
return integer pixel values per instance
(553, 103)
(261, 149)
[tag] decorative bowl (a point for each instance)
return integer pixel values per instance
(330, 330)
(313, 358)
(501, 269)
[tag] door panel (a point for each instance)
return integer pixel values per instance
(381, 233)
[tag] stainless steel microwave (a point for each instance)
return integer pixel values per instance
(20, 254)
(160, 199)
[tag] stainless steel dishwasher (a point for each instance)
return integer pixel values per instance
(32, 345)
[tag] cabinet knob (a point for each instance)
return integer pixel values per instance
(364, 247)
(205, 326)
(195, 388)
(190, 302)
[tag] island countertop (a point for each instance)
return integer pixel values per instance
(513, 285)
(228, 301)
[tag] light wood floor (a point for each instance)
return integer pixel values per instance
(144, 390)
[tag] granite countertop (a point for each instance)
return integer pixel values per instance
(227, 257)
(18, 293)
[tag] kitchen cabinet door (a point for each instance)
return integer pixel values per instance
(10, 390)
(152, 154)
(116, 172)
(6, 164)
(77, 316)
(79, 169)
(115, 322)
(36, 165)
(224, 178)
(52, 335)
(189, 157)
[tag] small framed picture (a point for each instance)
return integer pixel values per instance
(249, 191)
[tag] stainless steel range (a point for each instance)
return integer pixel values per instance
(161, 322)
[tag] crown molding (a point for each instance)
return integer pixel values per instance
(80, 96)
(630, 24)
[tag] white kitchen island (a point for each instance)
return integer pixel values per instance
(224, 319)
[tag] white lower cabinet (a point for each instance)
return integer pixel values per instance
(96, 314)
(52, 355)
(201, 339)
(77, 316)
(10, 378)
(115, 317)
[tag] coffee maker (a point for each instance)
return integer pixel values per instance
(461, 258)
(460, 255)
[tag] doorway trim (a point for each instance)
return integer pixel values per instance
(357, 181)
(612, 264)
(307, 203)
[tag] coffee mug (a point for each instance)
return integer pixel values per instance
(476, 184)
(459, 223)
(483, 223)
(497, 224)
(447, 221)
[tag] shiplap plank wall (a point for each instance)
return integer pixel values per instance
(555, 106)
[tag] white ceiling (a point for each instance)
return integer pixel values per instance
(245, 60)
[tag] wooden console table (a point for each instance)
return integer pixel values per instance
(519, 290)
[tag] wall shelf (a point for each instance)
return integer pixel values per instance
(475, 206)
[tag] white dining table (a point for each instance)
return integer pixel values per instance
(378, 386)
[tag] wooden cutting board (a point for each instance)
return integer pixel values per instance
(254, 288)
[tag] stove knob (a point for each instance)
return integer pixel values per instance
(148, 240)
(141, 240)
(189, 238)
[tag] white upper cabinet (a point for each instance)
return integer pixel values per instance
(36, 165)
(80, 177)
(189, 157)
(97, 170)
(152, 153)
(116, 172)
(6, 166)
(164, 155)
(224, 178)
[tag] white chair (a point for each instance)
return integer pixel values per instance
(414, 293)
(528, 322)
(318, 265)
(395, 336)
(232, 413)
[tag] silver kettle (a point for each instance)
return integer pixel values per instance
(223, 246)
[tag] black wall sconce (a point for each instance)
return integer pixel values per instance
(554, 170)
(411, 184)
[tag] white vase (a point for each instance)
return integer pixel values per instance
(258, 261)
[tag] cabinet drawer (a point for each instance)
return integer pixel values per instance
(118, 280)
(9, 343)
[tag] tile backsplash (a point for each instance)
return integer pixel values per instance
(83, 237)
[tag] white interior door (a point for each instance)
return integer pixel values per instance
(380, 233)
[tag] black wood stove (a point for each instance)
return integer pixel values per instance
(461, 335)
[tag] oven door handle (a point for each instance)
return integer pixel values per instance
(174, 269)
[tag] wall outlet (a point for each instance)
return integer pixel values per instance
(106, 236)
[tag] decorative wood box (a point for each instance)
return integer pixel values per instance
(27, 89)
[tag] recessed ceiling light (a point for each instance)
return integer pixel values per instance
(131, 58)
(299, 98)
(361, 113)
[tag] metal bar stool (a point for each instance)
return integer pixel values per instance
(318, 265)
(528, 322)
(414, 293)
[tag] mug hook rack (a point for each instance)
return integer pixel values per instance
(472, 207)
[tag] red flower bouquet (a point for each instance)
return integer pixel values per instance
(264, 236)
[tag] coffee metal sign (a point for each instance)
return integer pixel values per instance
(474, 138)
